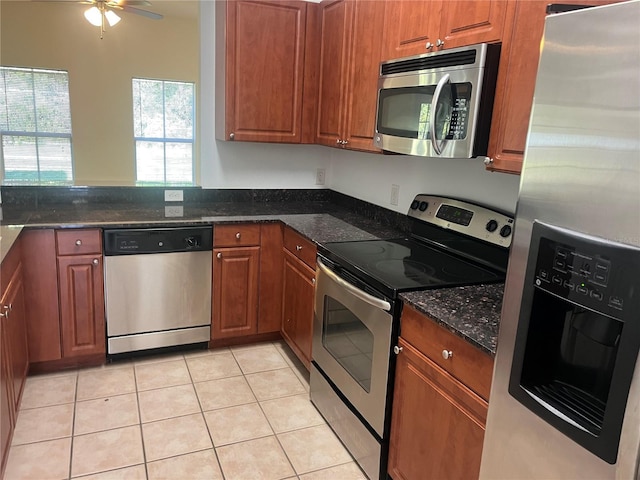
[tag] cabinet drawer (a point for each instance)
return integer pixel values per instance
(237, 235)
(470, 365)
(78, 241)
(300, 247)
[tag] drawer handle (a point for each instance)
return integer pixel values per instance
(78, 242)
(95, 261)
(447, 354)
(397, 350)
(298, 247)
(219, 255)
(238, 235)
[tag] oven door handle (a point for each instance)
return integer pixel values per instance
(365, 297)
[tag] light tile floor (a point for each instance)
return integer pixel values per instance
(239, 413)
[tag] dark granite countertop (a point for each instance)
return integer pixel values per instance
(472, 312)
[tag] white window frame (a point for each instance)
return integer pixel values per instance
(164, 139)
(36, 135)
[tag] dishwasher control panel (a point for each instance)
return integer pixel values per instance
(130, 241)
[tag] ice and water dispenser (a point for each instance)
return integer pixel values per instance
(578, 335)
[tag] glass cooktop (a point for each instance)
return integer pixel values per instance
(401, 265)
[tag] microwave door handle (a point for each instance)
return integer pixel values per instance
(432, 120)
(365, 297)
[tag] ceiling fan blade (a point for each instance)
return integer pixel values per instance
(122, 3)
(144, 13)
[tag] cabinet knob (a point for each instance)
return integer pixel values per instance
(447, 354)
(95, 261)
(397, 350)
(429, 46)
(298, 247)
(219, 255)
(232, 136)
(439, 43)
(78, 242)
(488, 161)
(344, 142)
(238, 235)
(338, 142)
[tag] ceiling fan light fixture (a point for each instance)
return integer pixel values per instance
(112, 17)
(94, 16)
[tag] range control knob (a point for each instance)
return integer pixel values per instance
(505, 231)
(492, 225)
(423, 206)
(414, 204)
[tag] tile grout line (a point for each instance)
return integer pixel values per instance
(213, 446)
(73, 425)
(144, 450)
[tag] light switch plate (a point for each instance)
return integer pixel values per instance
(395, 194)
(173, 195)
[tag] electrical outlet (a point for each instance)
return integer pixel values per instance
(395, 193)
(173, 195)
(320, 176)
(173, 211)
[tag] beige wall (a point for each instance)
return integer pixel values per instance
(57, 36)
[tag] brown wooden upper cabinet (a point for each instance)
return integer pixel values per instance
(516, 83)
(260, 71)
(349, 58)
(416, 27)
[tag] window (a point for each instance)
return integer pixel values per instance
(163, 117)
(35, 125)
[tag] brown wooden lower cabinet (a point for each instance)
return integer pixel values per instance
(81, 287)
(14, 361)
(437, 426)
(297, 313)
(235, 292)
(440, 405)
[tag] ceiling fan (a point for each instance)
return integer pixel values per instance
(103, 12)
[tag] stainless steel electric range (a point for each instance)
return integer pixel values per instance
(357, 310)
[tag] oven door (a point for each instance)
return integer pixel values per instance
(352, 344)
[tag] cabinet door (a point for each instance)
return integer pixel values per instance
(6, 397)
(409, 26)
(235, 292)
(41, 297)
(472, 21)
(364, 66)
(442, 441)
(264, 70)
(334, 33)
(13, 308)
(81, 290)
(298, 298)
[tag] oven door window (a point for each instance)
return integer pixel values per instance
(349, 341)
(406, 112)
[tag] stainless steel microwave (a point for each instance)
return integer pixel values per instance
(438, 104)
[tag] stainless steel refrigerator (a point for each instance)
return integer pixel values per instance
(565, 398)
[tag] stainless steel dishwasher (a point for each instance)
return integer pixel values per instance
(157, 287)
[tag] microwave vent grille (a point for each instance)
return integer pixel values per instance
(443, 60)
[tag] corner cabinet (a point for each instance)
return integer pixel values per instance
(349, 61)
(298, 294)
(416, 27)
(445, 440)
(516, 83)
(262, 71)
